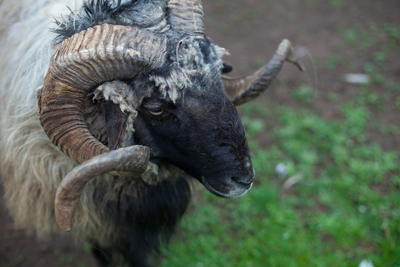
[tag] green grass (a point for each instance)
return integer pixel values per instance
(69, 259)
(343, 211)
(333, 62)
(304, 93)
(337, 3)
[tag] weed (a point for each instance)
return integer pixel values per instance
(333, 62)
(253, 126)
(397, 102)
(380, 58)
(334, 97)
(388, 129)
(87, 248)
(337, 3)
(358, 36)
(393, 31)
(304, 93)
(64, 258)
(391, 85)
(259, 109)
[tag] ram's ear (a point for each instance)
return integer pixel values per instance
(114, 120)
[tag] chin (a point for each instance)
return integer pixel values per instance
(226, 188)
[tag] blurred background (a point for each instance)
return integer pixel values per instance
(325, 147)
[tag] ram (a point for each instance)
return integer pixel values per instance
(109, 112)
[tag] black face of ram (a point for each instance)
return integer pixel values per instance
(202, 134)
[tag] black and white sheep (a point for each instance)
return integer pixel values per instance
(132, 105)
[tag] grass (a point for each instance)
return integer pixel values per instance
(343, 210)
(69, 259)
(304, 93)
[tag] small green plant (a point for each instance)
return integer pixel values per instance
(350, 35)
(376, 77)
(332, 96)
(380, 58)
(304, 93)
(393, 31)
(64, 258)
(255, 108)
(361, 37)
(366, 96)
(337, 3)
(87, 248)
(397, 102)
(391, 85)
(333, 62)
(388, 129)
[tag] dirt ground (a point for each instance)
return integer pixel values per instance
(251, 30)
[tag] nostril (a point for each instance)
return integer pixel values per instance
(244, 180)
(244, 175)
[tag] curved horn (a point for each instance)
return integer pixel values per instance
(244, 89)
(79, 64)
(134, 158)
(186, 16)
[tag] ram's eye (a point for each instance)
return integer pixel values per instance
(156, 111)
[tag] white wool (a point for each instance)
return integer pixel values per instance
(31, 166)
(189, 63)
(221, 52)
(171, 86)
(118, 92)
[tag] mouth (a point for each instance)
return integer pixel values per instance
(227, 188)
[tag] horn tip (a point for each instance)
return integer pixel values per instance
(66, 228)
(63, 214)
(300, 66)
(64, 222)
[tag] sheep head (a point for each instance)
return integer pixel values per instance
(170, 90)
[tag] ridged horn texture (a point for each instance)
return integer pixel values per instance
(244, 89)
(134, 158)
(186, 16)
(81, 63)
